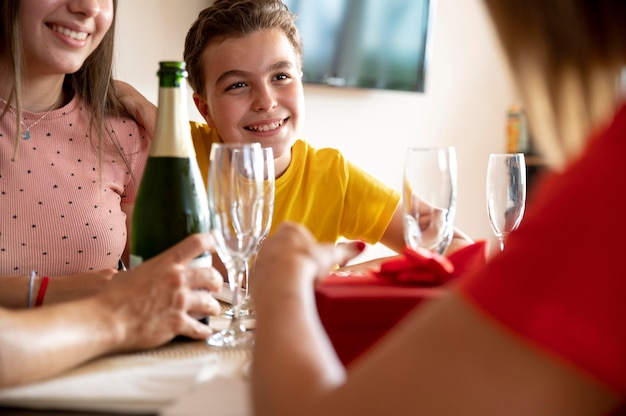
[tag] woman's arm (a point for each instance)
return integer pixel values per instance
(14, 290)
(138, 106)
(394, 234)
(446, 358)
(289, 331)
(141, 308)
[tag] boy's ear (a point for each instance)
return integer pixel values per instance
(203, 108)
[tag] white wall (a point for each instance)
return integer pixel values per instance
(468, 91)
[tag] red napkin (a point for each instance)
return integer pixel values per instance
(426, 268)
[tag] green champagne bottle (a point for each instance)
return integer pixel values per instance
(171, 201)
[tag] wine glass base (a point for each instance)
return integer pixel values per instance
(243, 312)
(232, 338)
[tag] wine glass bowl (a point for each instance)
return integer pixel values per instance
(246, 308)
(429, 197)
(236, 195)
(506, 193)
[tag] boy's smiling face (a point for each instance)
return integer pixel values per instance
(253, 91)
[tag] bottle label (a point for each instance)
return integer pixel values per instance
(173, 134)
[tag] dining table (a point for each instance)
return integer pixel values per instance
(181, 378)
(188, 378)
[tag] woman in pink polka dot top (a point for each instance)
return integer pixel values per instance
(70, 156)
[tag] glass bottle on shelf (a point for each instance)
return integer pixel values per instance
(518, 139)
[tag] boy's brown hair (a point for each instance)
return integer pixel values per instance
(235, 18)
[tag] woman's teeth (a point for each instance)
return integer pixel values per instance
(74, 35)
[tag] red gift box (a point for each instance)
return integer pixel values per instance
(357, 310)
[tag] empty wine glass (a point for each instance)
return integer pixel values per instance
(429, 197)
(506, 193)
(236, 194)
(246, 308)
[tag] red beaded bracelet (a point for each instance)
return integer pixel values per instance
(42, 291)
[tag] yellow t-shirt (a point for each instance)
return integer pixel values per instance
(321, 190)
(203, 137)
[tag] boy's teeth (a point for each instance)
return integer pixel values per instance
(74, 35)
(267, 127)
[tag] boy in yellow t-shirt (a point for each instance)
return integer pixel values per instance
(244, 60)
(244, 65)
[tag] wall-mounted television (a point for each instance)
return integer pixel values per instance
(364, 43)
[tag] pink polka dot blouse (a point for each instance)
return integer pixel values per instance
(60, 207)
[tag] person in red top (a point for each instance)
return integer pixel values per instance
(539, 329)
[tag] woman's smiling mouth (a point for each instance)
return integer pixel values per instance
(70, 33)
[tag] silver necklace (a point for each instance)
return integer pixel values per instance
(26, 132)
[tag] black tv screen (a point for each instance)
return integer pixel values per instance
(364, 43)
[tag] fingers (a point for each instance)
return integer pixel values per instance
(207, 279)
(195, 329)
(344, 252)
(200, 281)
(189, 248)
(202, 303)
(328, 256)
(292, 245)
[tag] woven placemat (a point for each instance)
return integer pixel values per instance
(235, 357)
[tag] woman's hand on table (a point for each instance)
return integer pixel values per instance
(138, 309)
(155, 301)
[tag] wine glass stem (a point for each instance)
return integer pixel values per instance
(247, 277)
(250, 266)
(501, 240)
(238, 275)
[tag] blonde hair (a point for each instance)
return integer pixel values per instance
(566, 57)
